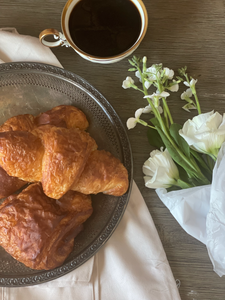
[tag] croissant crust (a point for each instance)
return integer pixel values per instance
(39, 231)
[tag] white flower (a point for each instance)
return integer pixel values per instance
(127, 83)
(147, 84)
(132, 122)
(205, 133)
(168, 73)
(155, 100)
(153, 74)
(138, 75)
(160, 170)
(187, 94)
(174, 87)
(192, 83)
(159, 95)
(147, 109)
(138, 112)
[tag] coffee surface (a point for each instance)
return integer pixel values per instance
(104, 27)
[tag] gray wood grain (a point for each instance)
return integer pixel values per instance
(180, 33)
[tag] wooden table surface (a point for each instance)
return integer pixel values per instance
(180, 32)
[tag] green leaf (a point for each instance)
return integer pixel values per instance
(155, 122)
(154, 138)
(183, 145)
(132, 69)
(132, 63)
(183, 174)
(173, 188)
(182, 184)
(204, 166)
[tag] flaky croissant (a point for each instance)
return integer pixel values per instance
(102, 173)
(53, 155)
(66, 116)
(61, 116)
(59, 157)
(39, 231)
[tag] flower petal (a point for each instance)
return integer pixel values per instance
(131, 123)
(127, 83)
(168, 73)
(147, 84)
(138, 112)
(174, 87)
(164, 94)
(147, 109)
(186, 83)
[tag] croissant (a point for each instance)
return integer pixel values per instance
(102, 173)
(61, 116)
(66, 116)
(59, 157)
(19, 123)
(55, 156)
(39, 231)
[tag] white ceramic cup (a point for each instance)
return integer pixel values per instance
(64, 39)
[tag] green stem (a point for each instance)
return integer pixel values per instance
(197, 102)
(145, 124)
(164, 102)
(155, 111)
(165, 115)
(167, 110)
(182, 184)
(195, 94)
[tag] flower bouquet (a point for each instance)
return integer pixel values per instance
(186, 167)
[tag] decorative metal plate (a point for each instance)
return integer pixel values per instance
(34, 88)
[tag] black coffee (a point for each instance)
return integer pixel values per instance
(104, 27)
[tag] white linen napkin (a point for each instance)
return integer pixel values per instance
(215, 221)
(190, 208)
(132, 265)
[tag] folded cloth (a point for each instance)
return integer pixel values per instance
(16, 47)
(132, 265)
(190, 208)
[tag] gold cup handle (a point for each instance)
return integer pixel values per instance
(58, 36)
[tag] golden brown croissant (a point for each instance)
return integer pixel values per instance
(39, 231)
(57, 157)
(102, 173)
(20, 122)
(61, 116)
(53, 155)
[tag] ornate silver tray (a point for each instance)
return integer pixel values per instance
(34, 88)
